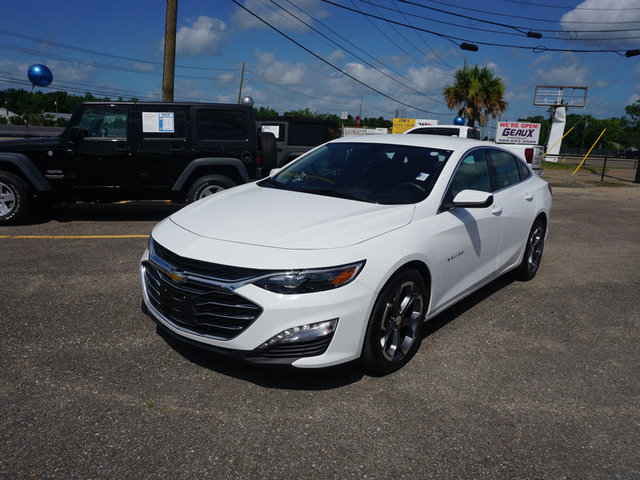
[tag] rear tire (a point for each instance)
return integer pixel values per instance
(394, 332)
(15, 199)
(532, 252)
(208, 185)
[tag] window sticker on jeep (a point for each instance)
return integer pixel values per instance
(158, 122)
(275, 129)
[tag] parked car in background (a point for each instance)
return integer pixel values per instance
(345, 252)
(532, 154)
(297, 135)
(113, 151)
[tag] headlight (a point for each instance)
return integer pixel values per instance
(312, 280)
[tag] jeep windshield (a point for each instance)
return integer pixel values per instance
(369, 172)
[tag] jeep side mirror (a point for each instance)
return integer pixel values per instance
(75, 134)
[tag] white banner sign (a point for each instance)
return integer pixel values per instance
(518, 132)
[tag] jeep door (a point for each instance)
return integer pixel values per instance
(100, 159)
(164, 146)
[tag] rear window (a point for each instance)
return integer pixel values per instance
(219, 124)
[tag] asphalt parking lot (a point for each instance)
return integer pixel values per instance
(521, 380)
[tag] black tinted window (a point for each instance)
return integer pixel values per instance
(472, 173)
(505, 168)
(217, 124)
(306, 134)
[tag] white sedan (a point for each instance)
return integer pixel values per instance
(344, 253)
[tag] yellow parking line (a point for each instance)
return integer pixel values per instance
(65, 237)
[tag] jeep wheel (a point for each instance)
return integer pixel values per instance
(205, 186)
(15, 198)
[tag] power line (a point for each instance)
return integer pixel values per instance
(521, 29)
(358, 57)
(451, 38)
(331, 64)
(497, 14)
(546, 5)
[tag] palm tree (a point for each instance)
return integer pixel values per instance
(477, 94)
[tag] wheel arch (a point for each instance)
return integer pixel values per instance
(20, 165)
(232, 168)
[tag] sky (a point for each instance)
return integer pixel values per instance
(374, 58)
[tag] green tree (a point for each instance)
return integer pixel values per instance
(476, 94)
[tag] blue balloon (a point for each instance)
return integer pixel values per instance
(458, 121)
(40, 75)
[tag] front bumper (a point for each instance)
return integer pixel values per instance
(349, 305)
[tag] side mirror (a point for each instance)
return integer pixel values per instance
(470, 199)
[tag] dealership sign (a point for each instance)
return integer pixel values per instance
(518, 132)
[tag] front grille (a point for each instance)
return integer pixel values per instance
(201, 308)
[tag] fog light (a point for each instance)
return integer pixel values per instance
(303, 333)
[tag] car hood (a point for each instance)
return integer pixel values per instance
(290, 220)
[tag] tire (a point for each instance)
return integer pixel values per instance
(15, 198)
(269, 152)
(394, 332)
(208, 185)
(532, 252)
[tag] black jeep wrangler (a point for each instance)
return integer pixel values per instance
(113, 151)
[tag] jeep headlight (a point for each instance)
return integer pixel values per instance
(310, 280)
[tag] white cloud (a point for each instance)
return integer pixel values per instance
(614, 15)
(204, 35)
(567, 70)
(281, 73)
(278, 17)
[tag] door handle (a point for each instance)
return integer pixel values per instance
(176, 149)
(122, 148)
(528, 196)
(496, 210)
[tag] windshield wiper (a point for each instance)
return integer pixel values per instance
(270, 182)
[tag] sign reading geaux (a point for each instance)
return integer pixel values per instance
(518, 132)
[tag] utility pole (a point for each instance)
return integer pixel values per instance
(169, 50)
(241, 80)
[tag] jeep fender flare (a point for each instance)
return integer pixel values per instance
(234, 163)
(27, 169)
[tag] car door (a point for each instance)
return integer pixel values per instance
(513, 198)
(163, 147)
(469, 237)
(100, 159)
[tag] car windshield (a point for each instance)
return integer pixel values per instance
(368, 172)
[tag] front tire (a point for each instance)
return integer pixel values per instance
(15, 199)
(208, 185)
(532, 252)
(394, 332)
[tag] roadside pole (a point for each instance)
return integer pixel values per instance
(169, 51)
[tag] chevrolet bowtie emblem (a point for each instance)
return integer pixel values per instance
(177, 277)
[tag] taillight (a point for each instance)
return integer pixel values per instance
(550, 191)
(528, 154)
(259, 158)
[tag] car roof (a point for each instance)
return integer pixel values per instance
(428, 141)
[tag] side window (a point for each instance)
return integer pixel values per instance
(472, 173)
(523, 170)
(306, 134)
(219, 124)
(104, 124)
(505, 168)
(164, 125)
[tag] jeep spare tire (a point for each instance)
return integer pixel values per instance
(208, 185)
(269, 152)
